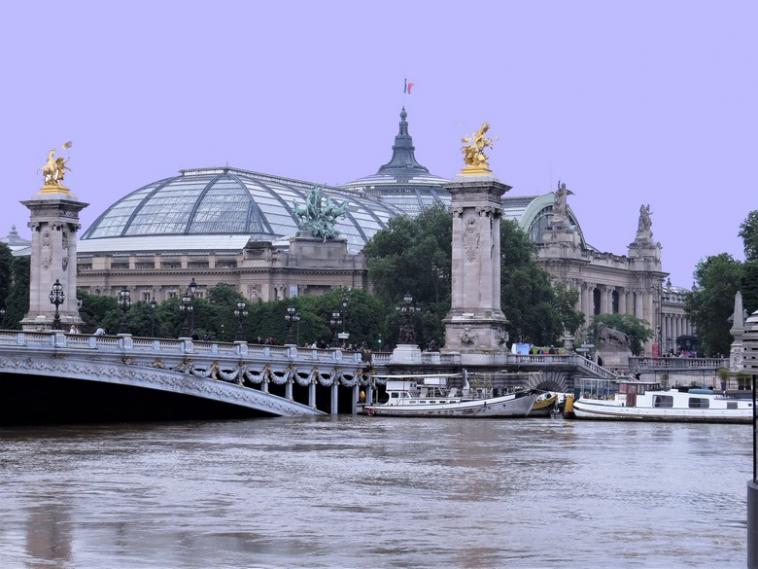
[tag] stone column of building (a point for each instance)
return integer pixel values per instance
(54, 222)
(476, 322)
(622, 300)
(603, 299)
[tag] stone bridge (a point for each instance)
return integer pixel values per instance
(679, 371)
(244, 379)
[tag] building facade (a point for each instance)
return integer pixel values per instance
(238, 227)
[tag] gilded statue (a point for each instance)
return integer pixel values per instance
(474, 158)
(319, 215)
(54, 170)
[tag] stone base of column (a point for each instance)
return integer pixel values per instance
(406, 354)
(475, 335)
(44, 322)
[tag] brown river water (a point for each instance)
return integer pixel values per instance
(374, 492)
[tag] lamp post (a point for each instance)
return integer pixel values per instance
(2, 316)
(407, 310)
(292, 316)
(657, 289)
(153, 308)
(57, 297)
(124, 302)
(240, 313)
(335, 323)
(187, 307)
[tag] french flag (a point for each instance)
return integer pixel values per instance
(407, 87)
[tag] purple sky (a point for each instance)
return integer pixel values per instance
(628, 102)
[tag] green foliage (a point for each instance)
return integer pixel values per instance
(538, 312)
(637, 330)
(17, 301)
(413, 255)
(6, 273)
(709, 306)
(749, 234)
(749, 286)
(98, 312)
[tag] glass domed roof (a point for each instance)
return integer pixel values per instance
(226, 201)
(403, 182)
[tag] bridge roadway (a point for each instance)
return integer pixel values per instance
(233, 374)
(268, 380)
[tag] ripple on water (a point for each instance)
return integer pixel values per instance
(361, 491)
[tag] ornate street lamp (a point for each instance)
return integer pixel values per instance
(240, 313)
(292, 316)
(57, 297)
(187, 308)
(407, 311)
(124, 302)
(2, 316)
(335, 323)
(153, 309)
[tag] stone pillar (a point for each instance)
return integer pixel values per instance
(54, 222)
(312, 395)
(334, 399)
(604, 299)
(369, 395)
(638, 304)
(622, 301)
(288, 390)
(354, 399)
(476, 322)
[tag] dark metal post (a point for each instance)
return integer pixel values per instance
(292, 316)
(124, 302)
(57, 297)
(240, 312)
(752, 497)
(153, 308)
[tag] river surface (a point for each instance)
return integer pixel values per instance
(374, 492)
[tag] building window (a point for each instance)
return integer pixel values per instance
(171, 294)
(146, 296)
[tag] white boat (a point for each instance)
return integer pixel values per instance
(430, 396)
(639, 401)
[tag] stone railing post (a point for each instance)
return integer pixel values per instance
(125, 342)
(241, 347)
(187, 346)
(20, 339)
(59, 339)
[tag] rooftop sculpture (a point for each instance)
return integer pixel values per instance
(54, 170)
(319, 215)
(474, 158)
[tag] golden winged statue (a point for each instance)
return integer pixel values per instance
(474, 158)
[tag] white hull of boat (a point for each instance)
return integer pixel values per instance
(505, 406)
(612, 410)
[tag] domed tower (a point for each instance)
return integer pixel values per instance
(403, 182)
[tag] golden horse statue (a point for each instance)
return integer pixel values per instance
(474, 157)
(54, 169)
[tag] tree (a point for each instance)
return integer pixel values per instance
(749, 286)
(6, 273)
(413, 255)
(17, 301)
(749, 234)
(538, 311)
(637, 330)
(711, 302)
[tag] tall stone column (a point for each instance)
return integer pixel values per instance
(604, 299)
(622, 300)
(476, 322)
(54, 222)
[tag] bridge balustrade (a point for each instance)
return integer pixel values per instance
(645, 363)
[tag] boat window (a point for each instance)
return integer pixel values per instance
(731, 404)
(393, 395)
(663, 401)
(698, 403)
